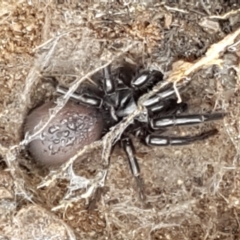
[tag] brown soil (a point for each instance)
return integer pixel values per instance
(192, 192)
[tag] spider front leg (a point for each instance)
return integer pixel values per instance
(167, 107)
(146, 79)
(178, 120)
(158, 140)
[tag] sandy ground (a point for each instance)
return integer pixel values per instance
(192, 192)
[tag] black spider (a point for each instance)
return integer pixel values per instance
(101, 106)
(117, 94)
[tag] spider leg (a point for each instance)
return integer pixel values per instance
(178, 120)
(85, 98)
(130, 152)
(108, 82)
(166, 93)
(146, 78)
(167, 107)
(158, 140)
(133, 163)
(92, 99)
(158, 98)
(171, 118)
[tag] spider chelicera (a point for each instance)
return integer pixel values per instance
(116, 94)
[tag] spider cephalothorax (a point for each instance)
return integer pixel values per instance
(113, 97)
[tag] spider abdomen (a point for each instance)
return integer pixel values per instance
(72, 128)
